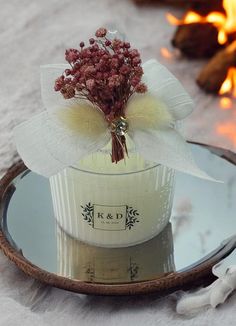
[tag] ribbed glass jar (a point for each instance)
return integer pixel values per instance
(113, 205)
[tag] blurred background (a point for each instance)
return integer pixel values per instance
(195, 39)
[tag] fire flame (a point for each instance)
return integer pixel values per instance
(166, 53)
(226, 103)
(228, 88)
(225, 24)
(229, 85)
(228, 130)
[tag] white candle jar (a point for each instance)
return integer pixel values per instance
(113, 205)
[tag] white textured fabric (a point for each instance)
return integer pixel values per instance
(52, 100)
(33, 33)
(49, 148)
(37, 153)
(165, 86)
(46, 145)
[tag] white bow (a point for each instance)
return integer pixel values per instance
(69, 130)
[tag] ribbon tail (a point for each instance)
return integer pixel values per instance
(167, 147)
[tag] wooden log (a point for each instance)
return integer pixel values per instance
(214, 73)
(205, 7)
(197, 40)
(169, 2)
(178, 2)
(201, 6)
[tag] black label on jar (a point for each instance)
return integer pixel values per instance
(110, 218)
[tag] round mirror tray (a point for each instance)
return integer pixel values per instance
(200, 233)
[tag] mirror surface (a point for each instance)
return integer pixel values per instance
(203, 216)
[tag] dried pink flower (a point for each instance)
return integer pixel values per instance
(67, 72)
(72, 55)
(107, 42)
(90, 70)
(68, 91)
(136, 61)
(90, 83)
(106, 73)
(114, 63)
(114, 81)
(135, 81)
(141, 88)
(79, 87)
(134, 53)
(59, 83)
(138, 71)
(116, 44)
(91, 40)
(101, 32)
(125, 69)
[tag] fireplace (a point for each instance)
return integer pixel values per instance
(208, 30)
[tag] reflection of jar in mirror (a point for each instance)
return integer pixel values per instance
(113, 205)
(113, 265)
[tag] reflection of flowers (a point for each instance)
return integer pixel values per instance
(100, 103)
(90, 271)
(182, 216)
(133, 270)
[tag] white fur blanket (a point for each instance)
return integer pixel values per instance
(37, 32)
